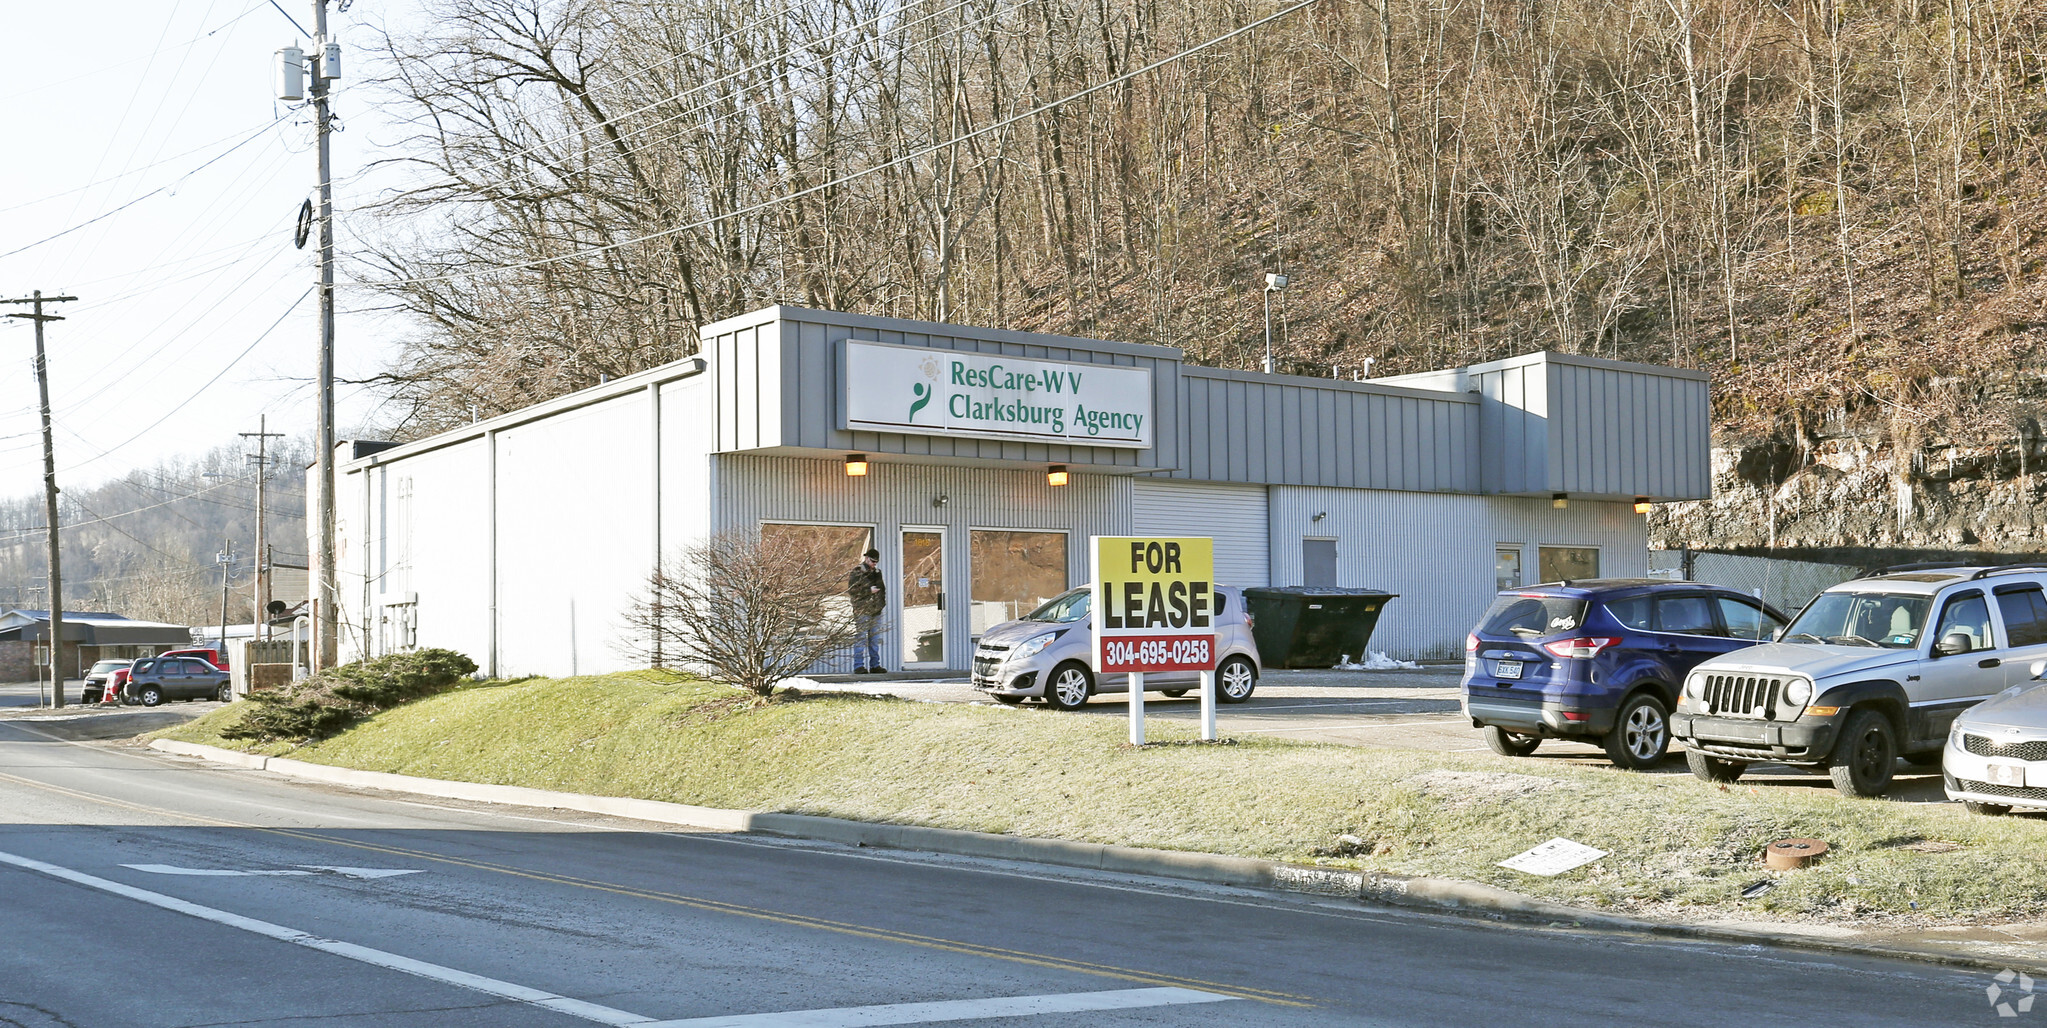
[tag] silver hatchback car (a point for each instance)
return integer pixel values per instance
(1049, 653)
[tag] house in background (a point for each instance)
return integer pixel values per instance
(89, 636)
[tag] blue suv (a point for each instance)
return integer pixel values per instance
(1600, 660)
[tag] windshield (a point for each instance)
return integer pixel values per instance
(1893, 620)
(1532, 617)
(109, 665)
(1062, 609)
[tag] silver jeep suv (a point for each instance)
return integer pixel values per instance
(1873, 669)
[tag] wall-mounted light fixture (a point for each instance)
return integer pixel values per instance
(940, 500)
(1319, 515)
(1559, 501)
(1641, 505)
(1055, 475)
(856, 465)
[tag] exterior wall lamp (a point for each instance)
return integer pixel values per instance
(1559, 501)
(1056, 475)
(1641, 505)
(856, 465)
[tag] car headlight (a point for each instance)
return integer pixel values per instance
(1797, 692)
(1695, 686)
(1033, 647)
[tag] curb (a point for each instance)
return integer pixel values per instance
(1442, 895)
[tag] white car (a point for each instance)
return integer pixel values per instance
(1996, 755)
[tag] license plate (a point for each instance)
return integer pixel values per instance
(1507, 669)
(1998, 773)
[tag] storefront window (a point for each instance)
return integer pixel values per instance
(1015, 573)
(1507, 568)
(838, 548)
(1569, 563)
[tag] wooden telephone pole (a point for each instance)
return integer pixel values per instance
(261, 458)
(49, 489)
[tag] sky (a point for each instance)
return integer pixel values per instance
(149, 170)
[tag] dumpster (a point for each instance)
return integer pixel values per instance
(1311, 626)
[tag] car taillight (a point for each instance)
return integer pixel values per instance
(1471, 642)
(1580, 649)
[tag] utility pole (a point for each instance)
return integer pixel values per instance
(49, 489)
(261, 458)
(325, 67)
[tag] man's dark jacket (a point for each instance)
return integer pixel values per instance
(867, 591)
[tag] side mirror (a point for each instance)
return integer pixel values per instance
(1776, 634)
(2039, 670)
(1953, 644)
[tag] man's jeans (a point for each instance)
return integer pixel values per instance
(869, 646)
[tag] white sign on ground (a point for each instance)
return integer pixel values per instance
(926, 391)
(1553, 858)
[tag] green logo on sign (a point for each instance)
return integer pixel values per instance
(923, 393)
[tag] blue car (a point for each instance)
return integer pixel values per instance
(1601, 661)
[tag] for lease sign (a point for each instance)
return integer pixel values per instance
(1154, 603)
(928, 391)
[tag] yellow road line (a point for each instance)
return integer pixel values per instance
(713, 906)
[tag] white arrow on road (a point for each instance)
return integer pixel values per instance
(310, 869)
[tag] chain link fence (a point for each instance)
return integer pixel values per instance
(1784, 584)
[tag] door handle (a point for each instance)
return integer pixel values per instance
(941, 601)
(1988, 662)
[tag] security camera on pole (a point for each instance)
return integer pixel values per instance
(297, 77)
(1273, 284)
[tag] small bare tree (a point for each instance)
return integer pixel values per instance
(744, 610)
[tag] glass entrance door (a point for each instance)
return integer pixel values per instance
(923, 593)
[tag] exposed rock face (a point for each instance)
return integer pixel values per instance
(1864, 492)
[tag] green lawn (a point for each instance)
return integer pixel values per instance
(1678, 845)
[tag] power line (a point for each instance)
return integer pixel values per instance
(862, 173)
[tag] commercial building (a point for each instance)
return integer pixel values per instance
(89, 637)
(985, 459)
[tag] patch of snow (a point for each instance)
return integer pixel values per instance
(1375, 661)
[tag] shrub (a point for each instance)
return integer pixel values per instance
(328, 702)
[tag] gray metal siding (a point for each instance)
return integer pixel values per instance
(1235, 516)
(1623, 433)
(1257, 430)
(752, 488)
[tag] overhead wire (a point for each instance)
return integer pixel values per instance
(855, 175)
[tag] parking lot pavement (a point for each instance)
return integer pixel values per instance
(1399, 709)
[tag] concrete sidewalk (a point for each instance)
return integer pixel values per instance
(2017, 946)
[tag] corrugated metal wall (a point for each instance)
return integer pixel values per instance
(752, 489)
(435, 549)
(1250, 428)
(1436, 551)
(1619, 432)
(1235, 516)
(777, 373)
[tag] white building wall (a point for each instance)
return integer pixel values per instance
(435, 550)
(1436, 551)
(1235, 516)
(574, 537)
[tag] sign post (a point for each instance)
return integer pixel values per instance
(1153, 611)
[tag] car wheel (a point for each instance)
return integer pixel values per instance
(1069, 687)
(1987, 809)
(1641, 733)
(150, 696)
(1174, 693)
(1863, 760)
(225, 694)
(1713, 769)
(1510, 744)
(1235, 680)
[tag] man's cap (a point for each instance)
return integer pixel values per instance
(873, 554)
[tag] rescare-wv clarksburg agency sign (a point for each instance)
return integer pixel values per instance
(925, 391)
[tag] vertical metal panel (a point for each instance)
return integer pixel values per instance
(752, 488)
(1619, 431)
(1245, 428)
(1235, 516)
(1436, 551)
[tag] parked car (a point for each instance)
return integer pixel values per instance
(152, 680)
(1050, 653)
(1996, 754)
(215, 657)
(1871, 670)
(1600, 660)
(103, 681)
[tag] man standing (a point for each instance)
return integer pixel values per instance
(869, 595)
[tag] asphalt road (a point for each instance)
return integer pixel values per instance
(150, 891)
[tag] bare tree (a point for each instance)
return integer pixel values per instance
(748, 611)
